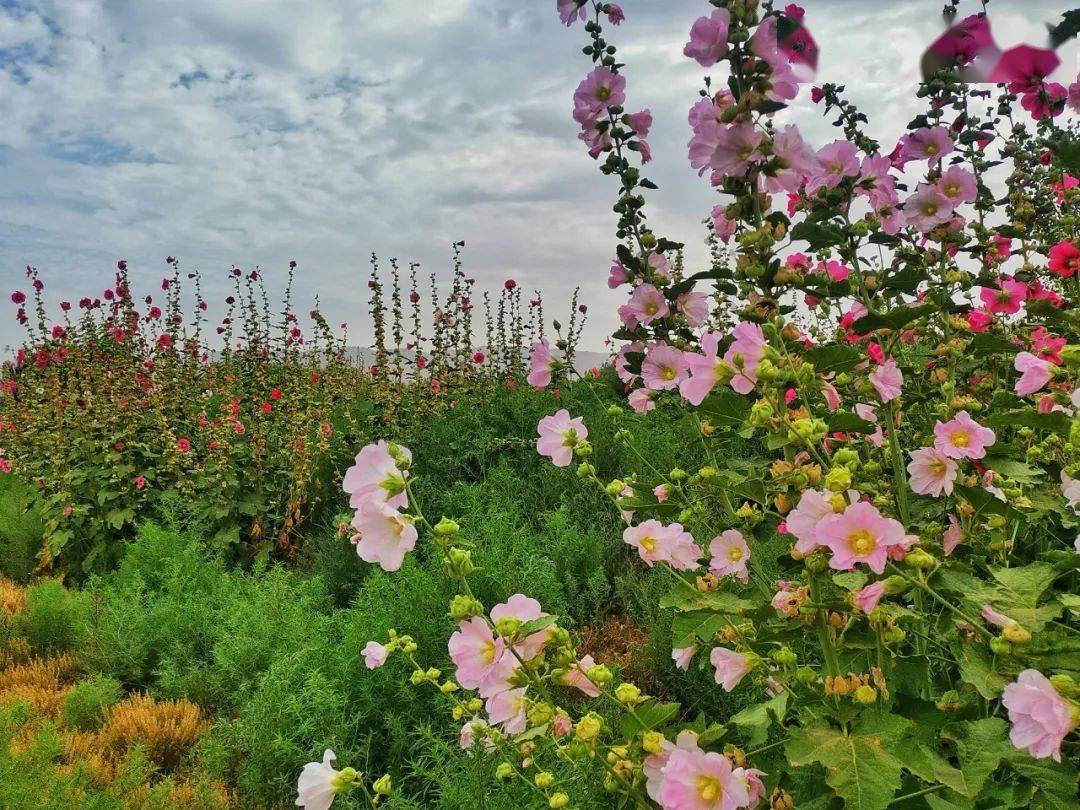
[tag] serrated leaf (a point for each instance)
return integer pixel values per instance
(1055, 422)
(976, 669)
(850, 580)
(754, 722)
(835, 358)
(726, 406)
(1055, 782)
(897, 319)
(648, 716)
(536, 625)
(980, 747)
(818, 236)
(696, 627)
(989, 343)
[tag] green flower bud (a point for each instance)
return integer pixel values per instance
(588, 727)
(677, 475)
(459, 562)
(784, 657)
(463, 608)
(865, 694)
(382, 785)
(544, 779)
(628, 694)
(806, 675)
(508, 626)
(504, 772)
(614, 411)
(919, 559)
(1000, 646)
(599, 674)
(446, 528)
(585, 470)
(615, 488)
(838, 479)
(558, 800)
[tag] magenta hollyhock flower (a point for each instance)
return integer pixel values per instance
(559, 435)
(385, 535)
(964, 40)
(979, 321)
(861, 534)
(962, 437)
(658, 543)
(615, 14)
(927, 208)
(887, 380)
(682, 656)
(695, 780)
(694, 306)
(1006, 299)
(835, 161)
(599, 90)
(744, 354)
(577, 677)
(647, 304)
(1064, 259)
(958, 185)
(708, 38)
(507, 709)
(730, 555)
(1034, 373)
(705, 370)
(867, 598)
(374, 654)
(731, 667)
(954, 536)
(317, 785)
(541, 365)
(1040, 717)
(374, 476)
(803, 521)
(1024, 68)
(1074, 95)
(931, 472)
(1048, 101)
(1046, 345)
(570, 11)
(928, 143)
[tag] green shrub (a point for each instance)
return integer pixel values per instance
(54, 618)
(21, 529)
(84, 707)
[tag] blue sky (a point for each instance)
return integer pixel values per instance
(254, 132)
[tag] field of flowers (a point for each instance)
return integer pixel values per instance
(809, 540)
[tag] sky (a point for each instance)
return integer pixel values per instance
(253, 132)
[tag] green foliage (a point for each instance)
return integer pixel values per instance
(21, 529)
(54, 618)
(84, 707)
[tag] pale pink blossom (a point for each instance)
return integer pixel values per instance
(869, 413)
(928, 143)
(705, 370)
(728, 149)
(953, 536)
(695, 780)
(617, 276)
(664, 367)
(731, 667)
(375, 477)
(834, 162)
(507, 709)
(694, 306)
(658, 543)
(931, 472)
(374, 654)
(469, 733)
(867, 598)
(570, 11)
(708, 38)
(524, 609)
(887, 380)
(682, 656)
(641, 400)
(962, 437)
(599, 90)
(647, 304)
(861, 534)
(794, 161)
(744, 354)
(927, 208)
(316, 786)
(576, 677)
(386, 536)
(1040, 717)
(654, 764)
(559, 435)
(1070, 488)
(730, 555)
(541, 365)
(804, 519)
(477, 653)
(1035, 373)
(958, 185)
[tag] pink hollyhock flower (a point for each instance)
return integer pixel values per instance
(1037, 292)
(662, 492)
(375, 476)
(751, 777)
(468, 735)
(835, 161)
(887, 380)
(659, 265)
(317, 785)
(954, 536)
(832, 396)
(385, 535)
(927, 208)
(1034, 373)
(647, 304)
(744, 354)
(620, 362)
(1040, 717)
(931, 472)
(570, 11)
(958, 185)
(875, 352)
(1047, 346)
(803, 521)
(658, 543)
(705, 370)
(576, 677)
(694, 306)
(876, 182)
(965, 40)
(599, 90)
(664, 367)
(794, 161)
(374, 654)
(1024, 68)
(477, 653)
(978, 321)
(507, 709)
(867, 598)
(559, 435)
(962, 437)
(1064, 259)
(1046, 102)
(731, 667)
(861, 534)
(641, 122)
(615, 14)
(524, 609)
(617, 276)
(655, 764)
(641, 400)
(724, 227)
(733, 148)
(928, 143)
(867, 412)
(708, 38)
(1074, 95)
(730, 555)
(541, 365)
(1067, 180)
(682, 656)
(1006, 299)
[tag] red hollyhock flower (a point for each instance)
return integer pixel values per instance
(1064, 259)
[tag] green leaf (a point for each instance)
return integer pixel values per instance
(1055, 782)
(819, 236)
(835, 358)
(861, 766)
(754, 722)
(980, 747)
(536, 625)
(696, 627)
(726, 406)
(985, 502)
(897, 319)
(1016, 470)
(848, 422)
(1055, 422)
(717, 601)
(648, 716)
(989, 343)
(850, 580)
(976, 669)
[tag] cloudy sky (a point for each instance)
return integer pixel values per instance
(252, 132)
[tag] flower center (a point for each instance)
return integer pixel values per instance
(569, 437)
(488, 652)
(938, 468)
(930, 208)
(651, 308)
(951, 189)
(861, 542)
(667, 373)
(603, 93)
(931, 149)
(735, 554)
(648, 543)
(709, 788)
(960, 438)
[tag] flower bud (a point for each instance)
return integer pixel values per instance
(784, 657)
(558, 800)
(865, 694)
(446, 528)
(382, 785)
(459, 562)
(652, 741)
(838, 479)
(806, 675)
(599, 674)
(508, 626)
(1015, 634)
(585, 470)
(615, 488)
(544, 779)
(919, 559)
(588, 727)
(504, 772)
(628, 694)
(463, 608)
(677, 475)
(614, 411)
(1000, 646)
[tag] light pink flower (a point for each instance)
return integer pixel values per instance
(478, 654)
(376, 477)
(728, 150)
(887, 380)
(1040, 717)
(658, 543)
(962, 437)
(731, 667)
(682, 656)
(795, 161)
(705, 370)
(647, 304)
(931, 472)
(385, 535)
(804, 519)
(654, 765)
(861, 534)
(927, 208)
(570, 11)
(1070, 489)
(694, 306)
(641, 400)
(664, 367)
(641, 123)
(315, 788)
(1035, 373)
(876, 182)
(834, 162)
(576, 677)
(744, 354)
(617, 276)
(954, 536)
(599, 90)
(695, 780)
(867, 598)
(541, 365)
(559, 435)
(374, 654)
(730, 555)
(867, 412)
(524, 609)
(929, 144)
(507, 709)
(708, 38)
(624, 373)
(958, 185)
(468, 735)
(724, 227)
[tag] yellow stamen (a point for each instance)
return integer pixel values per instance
(861, 542)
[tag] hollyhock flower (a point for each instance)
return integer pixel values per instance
(1046, 102)
(867, 412)
(1070, 489)
(1064, 259)
(927, 208)
(620, 361)
(615, 14)
(374, 654)
(541, 365)
(375, 476)
(832, 396)
(730, 555)
(570, 11)
(803, 521)
(469, 735)
(1074, 95)
(705, 370)
(559, 435)
(708, 38)
(664, 367)
(617, 276)
(978, 321)
(658, 543)
(1037, 292)
(928, 143)
(694, 306)
(647, 304)
(964, 40)
(641, 122)
(479, 657)
(1006, 299)
(931, 472)
(793, 160)
(835, 161)
(962, 437)
(318, 783)
(1034, 373)
(695, 780)
(731, 148)
(867, 598)
(662, 492)
(655, 764)
(731, 667)
(507, 709)
(861, 534)
(1040, 717)
(183, 445)
(958, 185)
(641, 400)
(954, 536)
(848, 319)
(744, 354)
(724, 227)
(385, 535)
(887, 380)
(576, 677)
(682, 656)
(1067, 180)
(1024, 68)
(524, 609)
(599, 90)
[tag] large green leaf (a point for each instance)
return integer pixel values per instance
(977, 669)
(726, 406)
(1054, 782)
(754, 721)
(696, 627)
(897, 319)
(862, 766)
(837, 357)
(648, 716)
(980, 747)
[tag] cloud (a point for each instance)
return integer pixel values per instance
(258, 132)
